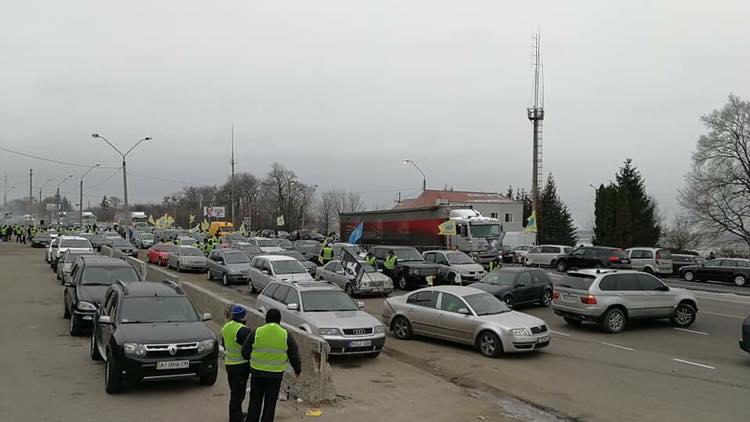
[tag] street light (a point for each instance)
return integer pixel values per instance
(424, 178)
(57, 197)
(124, 168)
(40, 189)
(80, 201)
(5, 195)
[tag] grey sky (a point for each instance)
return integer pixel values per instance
(341, 91)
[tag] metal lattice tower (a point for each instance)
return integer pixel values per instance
(535, 114)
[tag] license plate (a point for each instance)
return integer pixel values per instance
(363, 343)
(542, 339)
(173, 364)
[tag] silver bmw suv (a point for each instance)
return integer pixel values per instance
(612, 297)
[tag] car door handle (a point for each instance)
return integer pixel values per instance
(621, 294)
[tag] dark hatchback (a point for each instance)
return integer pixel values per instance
(732, 270)
(411, 268)
(122, 245)
(87, 284)
(518, 286)
(593, 257)
(151, 331)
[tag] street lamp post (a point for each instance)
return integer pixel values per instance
(424, 178)
(57, 198)
(124, 167)
(40, 189)
(5, 195)
(80, 201)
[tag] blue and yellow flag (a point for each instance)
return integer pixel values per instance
(531, 223)
(448, 228)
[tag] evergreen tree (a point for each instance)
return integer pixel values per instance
(555, 225)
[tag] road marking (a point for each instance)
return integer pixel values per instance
(692, 331)
(557, 332)
(619, 347)
(693, 363)
(715, 299)
(723, 315)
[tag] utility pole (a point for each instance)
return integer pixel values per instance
(233, 162)
(80, 201)
(536, 116)
(5, 190)
(31, 193)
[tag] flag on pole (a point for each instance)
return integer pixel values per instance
(357, 233)
(205, 225)
(531, 223)
(280, 220)
(151, 220)
(448, 228)
(191, 219)
(352, 266)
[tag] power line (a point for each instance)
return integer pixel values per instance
(49, 160)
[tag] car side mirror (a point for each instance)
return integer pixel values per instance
(105, 319)
(292, 307)
(463, 311)
(206, 317)
(361, 305)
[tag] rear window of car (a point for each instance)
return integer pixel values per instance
(577, 281)
(664, 253)
(75, 243)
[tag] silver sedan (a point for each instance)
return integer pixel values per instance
(372, 282)
(465, 315)
(184, 258)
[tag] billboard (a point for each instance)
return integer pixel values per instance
(214, 212)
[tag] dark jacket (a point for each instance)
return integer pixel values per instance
(292, 354)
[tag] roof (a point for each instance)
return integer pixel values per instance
(313, 285)
(149, 288)
(277, 257)
(431, 197)
(456, 290)
(99, 260)
(599, 271)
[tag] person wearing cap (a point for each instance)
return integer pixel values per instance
(270, 350)
(233, 335)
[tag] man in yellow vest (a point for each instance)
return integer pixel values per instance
(326, 254)
(270, 350)
(389, 265)
(233, 335)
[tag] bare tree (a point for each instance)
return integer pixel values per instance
(333, 202)
(717, 195)
(682, 234)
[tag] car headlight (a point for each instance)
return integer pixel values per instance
(379, 329)
(135, 349)
(206, 346)
(329, 331)
(520, 332)
(86, 306)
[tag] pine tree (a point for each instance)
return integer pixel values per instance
(556, 224)
(604, 215)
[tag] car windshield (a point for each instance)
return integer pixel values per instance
(107, 275)
(96, 238)
(165, 247)
(247, 248)
(147, 236)
(120, 242)
(289, 266)
(486, 304)
(665, 254)
(285, 243)
(71, 257)
(577, 281)
(353, 249)
(294, 254)
(236, 258)
(157, 309)
(267, 243)
(75, 243)
(408, 254)
(190, 252)
(327, 301)
(485, 230)
(500, 278)
(459, 258)
(367, 267)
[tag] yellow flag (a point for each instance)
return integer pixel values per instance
(191, 218)
(531, 223)
(448, 228)
(151, 220)
(280, 220)
(205, 225)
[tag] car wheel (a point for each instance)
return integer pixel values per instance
(94, 351)
(178, 267)
(614, 321)
(74, 327)
(561, 266)
(552, 264)
(209, 379)
(739, 280)
(253, 290)
(648, 270)
(683, 316)
(209, 276)
(489, 344)
(402, 328)
(225, 280)
(546, 298)
(508, 301)
(112, 378)
(572, 321)
(403, 283)
(688, 276)
(66, 311)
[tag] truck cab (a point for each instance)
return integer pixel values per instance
(476, 235)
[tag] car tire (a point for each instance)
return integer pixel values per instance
(74, 327)
(178, 267)
(572, 321)
(561, 266)
(489, 344)
(508, 300)
(209, 379)
(253, 290)
(546, 300)
(209, 276)
(739, 280)
(688, 276)
(225, 280)
(93, 350)
(401, 328)
(112, 378)
(552, 264)
(614, 321)
(403, 283)
(66, 311)
(648, 270)
(683, 316)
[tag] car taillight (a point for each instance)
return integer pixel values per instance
(555, 295)
(614, 258)
(588, 300)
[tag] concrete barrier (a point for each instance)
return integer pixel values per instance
(139, 266)
(106, 251)
(154, 273)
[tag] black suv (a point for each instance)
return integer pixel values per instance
(89, 280)
(411, 269)
(518, 286)
(152, 331)
(593, 257)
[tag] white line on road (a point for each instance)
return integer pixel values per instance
(617, 346)
(693, 363)
(719, 299)
(723, 315)
(557, 332)
(692, 331)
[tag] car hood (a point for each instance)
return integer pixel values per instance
(468, 267)
(417, 264)
(160, 333)
(343, 319)
(272, 249)
(91, 294)
(494, 289)
(376, 277)
(294, 277)
(512, 319)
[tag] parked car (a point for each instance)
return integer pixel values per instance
(229, 266)
(309, 265)
(265, 244)
(650, 260)
(745, 340)
(453, 263)
(69, 243)
(143, 240)
(731, 270)
(65, 265)
(183, 258)
(519, 253)
(51, 250)
(372, 281)
(683, 260)
(518, 286)
(545, 255)
(505, 254)
(96, 240)
(465, 315)
(611, 298)
(41, 240)
(310, 249)
(265, 269)
(285, 243)
(149, 331)
(593, 257)
(411, 270)
(123, 246)
(84, 291)
(159, 253)
(250, 250)
(325, 310)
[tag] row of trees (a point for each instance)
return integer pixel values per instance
(555, 223)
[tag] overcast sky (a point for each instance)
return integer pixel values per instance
(342, 91)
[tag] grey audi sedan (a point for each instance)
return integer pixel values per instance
(184, 258)
(465, 315)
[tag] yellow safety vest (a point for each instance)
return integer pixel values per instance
(269, 349)
(232, 349)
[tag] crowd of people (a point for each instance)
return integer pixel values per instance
(17, 233)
